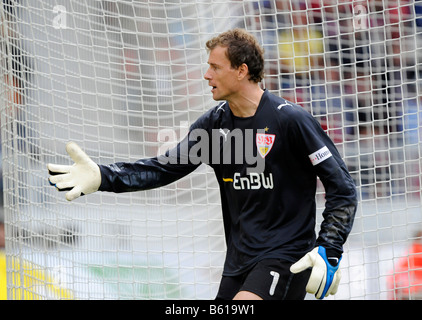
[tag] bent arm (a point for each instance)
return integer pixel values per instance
(340, 190)
(340, 210)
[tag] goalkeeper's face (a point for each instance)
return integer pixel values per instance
(221, 76)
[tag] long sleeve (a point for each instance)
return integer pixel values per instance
(149, 173)
(340, 209)
(340, 190)
(159, 171)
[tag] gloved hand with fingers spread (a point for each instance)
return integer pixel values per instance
(325, 276)
(81, 178)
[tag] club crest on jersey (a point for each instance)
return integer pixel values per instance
(264, 143)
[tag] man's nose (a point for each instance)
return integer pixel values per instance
(207, 75)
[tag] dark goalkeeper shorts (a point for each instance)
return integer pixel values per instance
(270, 279)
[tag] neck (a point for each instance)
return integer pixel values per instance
(245, 103)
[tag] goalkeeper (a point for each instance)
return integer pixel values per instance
(268, 205)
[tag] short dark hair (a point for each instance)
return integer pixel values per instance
(242, 47)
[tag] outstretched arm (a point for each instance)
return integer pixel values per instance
(146, 174)
(85, 176)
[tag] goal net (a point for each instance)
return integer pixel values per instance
(124, 79)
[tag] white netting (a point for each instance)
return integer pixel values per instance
(125, 78)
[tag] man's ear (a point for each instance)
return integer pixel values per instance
(243, 71)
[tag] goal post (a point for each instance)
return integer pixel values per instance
(124, 79)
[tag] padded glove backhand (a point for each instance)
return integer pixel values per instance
(83, 177)
(325, 277)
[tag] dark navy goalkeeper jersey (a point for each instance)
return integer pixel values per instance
(269, 210)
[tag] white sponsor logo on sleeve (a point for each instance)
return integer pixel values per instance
(320, 155)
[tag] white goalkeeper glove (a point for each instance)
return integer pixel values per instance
(81, 178)
(325, 276)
